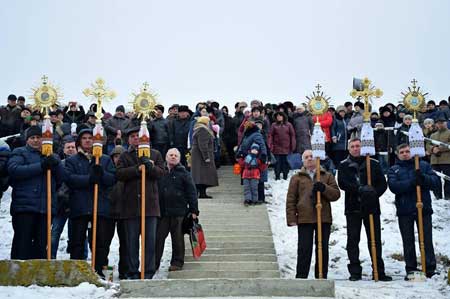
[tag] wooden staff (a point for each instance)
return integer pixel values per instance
(419, 206)
(94, 220)
(372, 226)
(319, 222)
(47, 150)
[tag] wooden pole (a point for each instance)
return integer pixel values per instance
(94, 220)
(143, 221)
(373, 246)
(49, 214)
(319, 222)
(419, 206)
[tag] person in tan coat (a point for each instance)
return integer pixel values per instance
(301, 212)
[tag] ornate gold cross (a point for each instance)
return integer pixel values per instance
(100, 92)
(368, 92)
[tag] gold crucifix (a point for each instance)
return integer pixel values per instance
(367, 92)
(100, 92)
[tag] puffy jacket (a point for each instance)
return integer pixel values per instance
(299, 204)
(352, 173)
(326, 120)
(177, 193)
(252, 172)
(159, 131)
(282, 138)
(82, 191)
(253, 135)
(29, 181)
(402, 182)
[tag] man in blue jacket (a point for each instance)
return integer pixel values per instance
(82, 174)
(403, 179)
(27, 170)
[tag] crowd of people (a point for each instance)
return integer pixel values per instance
(187, 147)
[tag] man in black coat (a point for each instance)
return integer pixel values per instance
(179, 131)
(159, 131)
(360, 201)
(178, 196)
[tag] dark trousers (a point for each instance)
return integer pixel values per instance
(282, 166)
(172, 225)
(30, 236)
(162, 148)
(105, 233)
(132, 228)
(306, 232)
(445, 168)
(261, 193)
(406, 225)
(183, 152)
(354, 223)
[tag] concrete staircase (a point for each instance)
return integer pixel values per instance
(240, 259)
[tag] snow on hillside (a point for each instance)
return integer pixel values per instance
(285, 239)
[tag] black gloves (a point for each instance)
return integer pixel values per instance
(420, 178)
(318, 186)
(146, 162)
(95, 174)
(49, 162)
(369, 199)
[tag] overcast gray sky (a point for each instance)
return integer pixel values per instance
(225, 50)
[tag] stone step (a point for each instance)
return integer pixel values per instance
(217, 226)
(246, 250)
(234, 239)
(226, 233)
(229, 266)
(194, 274)
(236, 220)
(259, 287)
(238, 244)
(234, 258)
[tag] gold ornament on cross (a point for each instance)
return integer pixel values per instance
(414, 99)
(100, 93)
(144, 102)
(45, 96)
(318, 102)
(366, 91)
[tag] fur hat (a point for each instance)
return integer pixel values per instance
(120, 108)
(12, 97)
(340, 108)
(203, 120)
(33, 131)
(117, 150)
(183, 108)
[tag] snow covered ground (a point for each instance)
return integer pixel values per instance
(285, 239)
(286, 246)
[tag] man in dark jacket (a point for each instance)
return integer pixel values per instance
(403, 179)
(10, 117)
(360, 201)
(177, 197)
(74, 113)
(179, 131)
(115, 128)
(27, 169)
(82, 174)
(128, 172)
(159, 131)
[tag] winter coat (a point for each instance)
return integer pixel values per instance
(433, 113)
(402, 182)
(81, 195)
(178, 132)
(9, 120)
(339, 130)
(282, 138)
(203, 172)
(129, 174)
(4, 156)
(303, 126)
(159, 131)
(229, 135)
(252, 171)
(63, 194)
(253, 135)
(400, 137)
(300, 208)
(113, 124)
(352, 174)
(443, 157)
(389, 121)
(380, 137)
(29, 181)
(326, 120)
(355, 123)
(74, 116)
(177, 193)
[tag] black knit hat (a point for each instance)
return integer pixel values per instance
(183, 108)
(360, 105)
(33, 131)
(21, 98)
(12, 97)
(443, 103)
(120, 108)
(160, 108)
